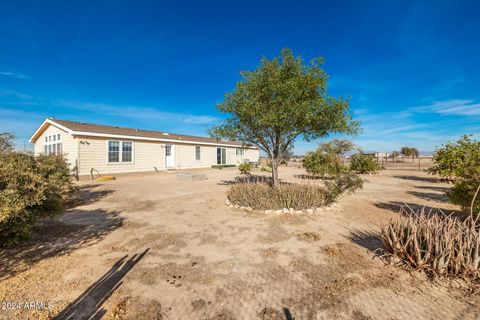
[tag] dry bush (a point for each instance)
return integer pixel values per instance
(262, 196)
(257, 192)
(253, 178)
(439, 244)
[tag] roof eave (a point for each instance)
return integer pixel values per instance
(40, 129)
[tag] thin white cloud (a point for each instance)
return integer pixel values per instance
(451, 107)
(16, 75)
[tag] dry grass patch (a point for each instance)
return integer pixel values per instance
(257, 192)
(262, 196)
(309, 236)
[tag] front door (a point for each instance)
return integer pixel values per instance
(221, 156)
(169, 160)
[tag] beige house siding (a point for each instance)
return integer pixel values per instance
(93, 154)
(148, 155)
(69, 144)
(185, 156)
(252, 155)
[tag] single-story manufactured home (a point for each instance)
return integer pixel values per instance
(110, 150)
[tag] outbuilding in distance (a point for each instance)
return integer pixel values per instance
(110, 149)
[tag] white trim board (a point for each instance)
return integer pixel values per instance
(119, 136)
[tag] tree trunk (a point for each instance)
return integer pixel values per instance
(275, 172)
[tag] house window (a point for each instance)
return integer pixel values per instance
(126, 151)
(197, 153)
(239, 151)
(120, 151)
(53, 145)
(113, 151)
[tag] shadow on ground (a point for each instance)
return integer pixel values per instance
(91, 193)
(370, 240)
(89, 305)
(55, 237)
(395, 206)
(430, 196)
(58, 236)
(417, 178)
(434, 188)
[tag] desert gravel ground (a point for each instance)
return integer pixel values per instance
(151, 246)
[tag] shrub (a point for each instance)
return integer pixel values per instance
(258, 193)
(454, 158)
(438, 244)
(459, 162)
(30, 188)
(345, 183)
(321, 163)
(245, 168)
(262, 196)
(325, 161)
(266, 165)
(363, 163)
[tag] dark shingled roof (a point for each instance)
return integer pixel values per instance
(103, 129)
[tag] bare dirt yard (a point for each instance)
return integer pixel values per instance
(156, 247)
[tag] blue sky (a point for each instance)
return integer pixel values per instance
(410, 68)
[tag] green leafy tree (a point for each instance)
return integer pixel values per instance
(280, 101)
(337, 146)
(325, 161)
(459, 162)
(410, 152)
(364, 163)
(7, 142)
(453, 159)
(406, 151)
(322, 163)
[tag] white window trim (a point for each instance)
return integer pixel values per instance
(48, 141)
(120, 156)
(242, 152)
(199, 154)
